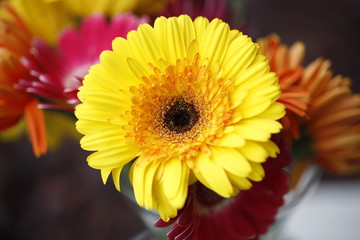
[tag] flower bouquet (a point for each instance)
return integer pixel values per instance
(208, 130)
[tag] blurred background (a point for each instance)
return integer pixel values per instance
(59, 197)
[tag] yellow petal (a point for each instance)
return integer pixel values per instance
(214, 175)
(200, 24)
(231, 160)
(264, 124)
(237, 97)
(254, 151)
(143, 180)
(175, 182)
(138, 69)
(88, 112)
(105, 172)
(274, 111)
(240, 55)
(251, 107)
(241, 182)
(114, 71)
(258, 172)
(252, 133)
(85, 126)
(103, 139)
(193, 49)
(149, 43)
(116, 177)
(231, 140)
(248, 78)
(113, 157)
(214, 42)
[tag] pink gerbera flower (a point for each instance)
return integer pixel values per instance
(208, 216)
(60, 73)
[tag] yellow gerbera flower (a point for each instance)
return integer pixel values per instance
(111, 7)
(45, 20)
(187, 100)
(86, 7)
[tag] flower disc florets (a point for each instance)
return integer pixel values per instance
(172, 114)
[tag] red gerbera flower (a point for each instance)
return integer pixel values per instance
(208, 216)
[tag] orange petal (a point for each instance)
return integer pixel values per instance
(36, 126)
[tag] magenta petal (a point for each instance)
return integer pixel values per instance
(70, 47)
(92, 34)
(122, 24)
(30, 64)
(47, 59)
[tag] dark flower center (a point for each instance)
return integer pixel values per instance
(181, 116)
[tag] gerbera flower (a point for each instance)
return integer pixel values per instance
(207, 8)
(247, 215)
(187, 100)
(60, 74)
(83, 8)
(14, 103)
(287, 64)
(333, 127)
(45, 20)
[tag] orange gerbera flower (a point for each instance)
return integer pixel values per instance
(14, 104)
(287, 64)
(333, 126)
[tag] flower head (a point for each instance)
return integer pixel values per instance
(15, 103)
(187, 100)
(60, 74)
(333, 126)
(45, 20)
(247, 215)
(286, 63)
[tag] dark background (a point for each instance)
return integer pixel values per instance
(59, 197)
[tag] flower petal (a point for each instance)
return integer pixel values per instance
(207, 169)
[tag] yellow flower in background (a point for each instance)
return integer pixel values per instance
(87, 7)
(188, 101)
(151, 7)
(84, 8)
(45, 20)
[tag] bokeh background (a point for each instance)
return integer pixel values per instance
(59, 197)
